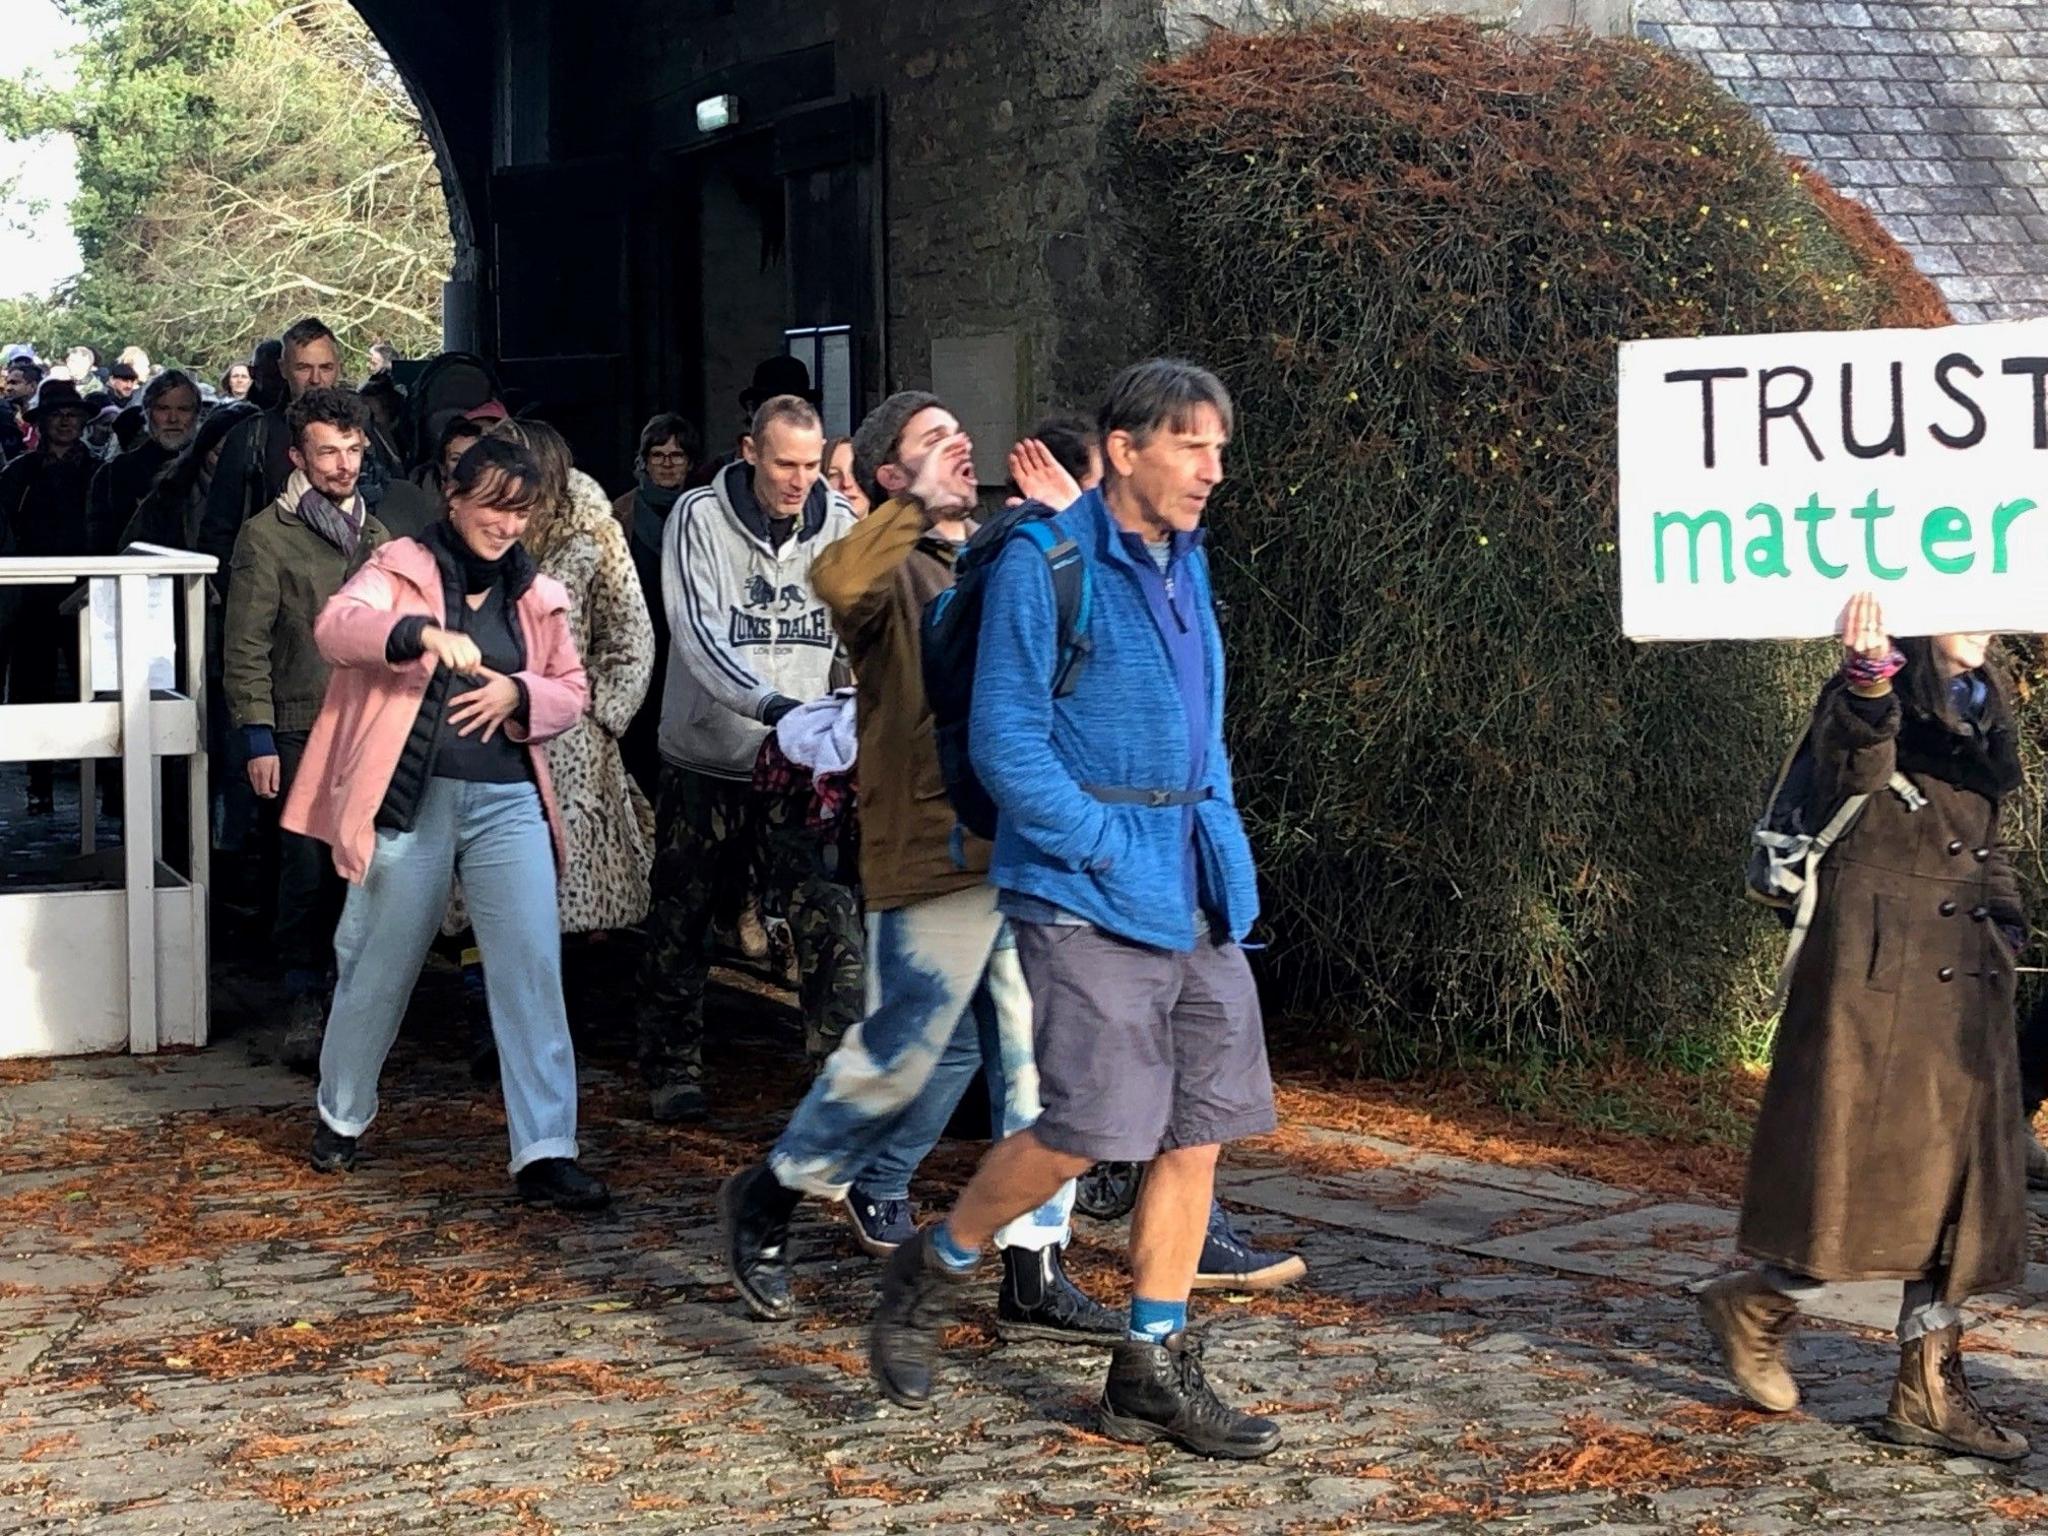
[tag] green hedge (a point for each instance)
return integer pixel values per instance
(1485, 821)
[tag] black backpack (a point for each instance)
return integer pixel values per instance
(950, 637)
(443, 386)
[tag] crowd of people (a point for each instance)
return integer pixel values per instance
(975, 757)
(465, 690)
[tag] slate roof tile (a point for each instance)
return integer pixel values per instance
(1933, 114)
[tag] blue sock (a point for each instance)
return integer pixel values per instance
(1157, 1321)
(950, 1253)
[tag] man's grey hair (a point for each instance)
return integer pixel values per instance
(1163, 392)
(170, 380)
(878, 437)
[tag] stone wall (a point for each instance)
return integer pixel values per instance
(1001, 220)
(1006, 258)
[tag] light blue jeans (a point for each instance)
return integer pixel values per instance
(944, 995)
(495, 836)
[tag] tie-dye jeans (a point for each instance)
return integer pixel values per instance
(943, 987)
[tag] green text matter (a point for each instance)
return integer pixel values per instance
(1947, 543)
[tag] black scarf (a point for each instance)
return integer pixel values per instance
(1978, 753)
(515, 568)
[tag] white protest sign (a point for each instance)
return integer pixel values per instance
(1765, 479)
(159, 640)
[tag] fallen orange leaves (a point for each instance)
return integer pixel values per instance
(1458, 1115)
(1608, 1457)
(593, 1377)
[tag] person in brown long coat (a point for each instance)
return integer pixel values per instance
(1889, 1145)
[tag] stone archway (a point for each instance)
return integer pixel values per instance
(446, 64)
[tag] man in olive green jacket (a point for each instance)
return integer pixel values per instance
(289, 559)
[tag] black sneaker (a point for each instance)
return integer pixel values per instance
(1040, 1301)
(753, 1223)
(879, 1226)
(305, 1023)
(919, 1297)
(562, 1183)
(1229, 1263)
(1159, 1392)
(332, 1151)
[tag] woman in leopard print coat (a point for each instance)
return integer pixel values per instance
(609, 827)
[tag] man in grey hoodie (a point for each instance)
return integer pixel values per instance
(749, 640)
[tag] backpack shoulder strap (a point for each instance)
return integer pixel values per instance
(1071, 597)
(1809, 892)
(1908, 794)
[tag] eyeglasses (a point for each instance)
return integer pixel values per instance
(667, 456)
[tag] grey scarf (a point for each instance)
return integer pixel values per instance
(340, 526)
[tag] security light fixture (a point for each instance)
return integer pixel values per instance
(716, 112)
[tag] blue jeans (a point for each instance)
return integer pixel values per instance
(496, 838)
(944, 995)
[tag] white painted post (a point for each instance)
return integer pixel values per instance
(88, 768)
(200, 769)
(199, 807)
(138, 810)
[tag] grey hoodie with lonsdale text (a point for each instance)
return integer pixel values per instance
(746, 629)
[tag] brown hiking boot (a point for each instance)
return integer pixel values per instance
(1751, 1322)
(1932, 1403)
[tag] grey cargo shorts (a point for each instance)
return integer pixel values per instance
(1140, 1050)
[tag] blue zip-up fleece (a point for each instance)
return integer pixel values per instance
(1121, 867)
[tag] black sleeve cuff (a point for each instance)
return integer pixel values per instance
(404, 642)
(525, 710)
(1854, 722)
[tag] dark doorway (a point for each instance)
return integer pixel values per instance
(737, 292)
(773, 253)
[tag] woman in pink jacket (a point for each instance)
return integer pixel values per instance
(453, 662)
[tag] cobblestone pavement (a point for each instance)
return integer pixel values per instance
(198, 1334)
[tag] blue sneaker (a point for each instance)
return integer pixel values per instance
(879, 1226)
(1229, 1263)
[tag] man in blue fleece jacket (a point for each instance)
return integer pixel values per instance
(1127, 877)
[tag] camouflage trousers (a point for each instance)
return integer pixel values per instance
(714, 838)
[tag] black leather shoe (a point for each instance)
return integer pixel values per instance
(1158, 1392)
(919, 1297)
(1040, 1301)
(559, 1182)
(332, 1151)
(753, 1220)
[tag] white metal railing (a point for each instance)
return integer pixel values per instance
(138, 727)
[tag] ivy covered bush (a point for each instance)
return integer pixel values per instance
(1485, 820)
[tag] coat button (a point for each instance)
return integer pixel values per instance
(1980, 854)
(1955, 847)
(1946, 973)
(1978, 914)
(1948, 909)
